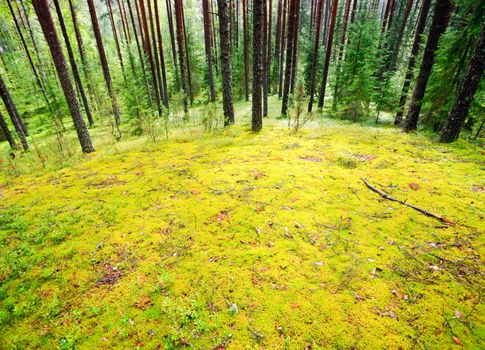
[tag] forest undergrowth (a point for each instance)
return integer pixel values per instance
(240, 240)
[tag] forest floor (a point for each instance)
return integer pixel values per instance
(235, 240)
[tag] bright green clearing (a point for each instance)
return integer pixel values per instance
(246, 241)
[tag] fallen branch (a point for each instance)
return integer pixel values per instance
(422, 211)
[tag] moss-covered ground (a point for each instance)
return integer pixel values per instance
(235, 240)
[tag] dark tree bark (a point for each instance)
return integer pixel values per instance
(282, 49)
(72, 60)
(27, 52)
(124, 21)
(294, 62)
(180, 43)
(14, 115)
(82, 55)
(257, 118)
(315, 52)
(226, 69)
(277, 38)
(148, 50)
(104, 65)
(328, 54)
(6, 132)
(45, 19)
(115, 35)
(268, 51)
(163, 85)
(187, 58)
(423, 15)
(289, 54)
(400, 35)
(208, 47)
(340, 53)
(440, 21)
(158, 79)
(466, 92)
(245, 48)
(140, 55)
(264, 55)
(172, 36)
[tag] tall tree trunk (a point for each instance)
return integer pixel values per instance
(246, 54)
(6, 132)
(148, 51)
(423, 15)
(340, 54)
(172, 36)
(14, 115)
(441, 18)
(264, 56)
(82, 55)
(315, 53)
(153, 35)
(294, 62)
(268, 51)
(45, 19)
(208, 47)
(124, 21)
(400, 35)
(257, 119)
(140, 55)
(282, 49)
(180, 43)
(328, 54)
(466, 92)
(104, 66)
(161, 56)
(289, 54)
(214, 36)
(115, 35)
(226, 70)
(27, 52)
(72, 60)
(187, 57)
(277, 38)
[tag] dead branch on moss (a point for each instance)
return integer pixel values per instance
(422, 211)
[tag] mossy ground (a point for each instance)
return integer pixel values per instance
(247, 241)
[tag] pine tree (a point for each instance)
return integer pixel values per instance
(14, 115)
(6, 132)
(257, 114)
(207, 18)
(225, 39)
(45, 19)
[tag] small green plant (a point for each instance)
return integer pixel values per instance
(211, 117)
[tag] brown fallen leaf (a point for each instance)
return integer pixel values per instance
(456, 340)
(414, 186)
(144, 303)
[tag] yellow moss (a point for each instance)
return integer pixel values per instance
(259, 240)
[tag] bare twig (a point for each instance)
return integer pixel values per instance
(422, 211)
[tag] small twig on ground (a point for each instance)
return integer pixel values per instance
(422, 211)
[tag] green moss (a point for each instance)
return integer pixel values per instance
(251, 240)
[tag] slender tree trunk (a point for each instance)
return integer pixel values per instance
(148, 51)
(115, 34)
(466, 92)
(423, 15)
(187, 57)
(72, 60)
(162, 57)
(441, 17)
(104, 66)
(226, 69)
(208, 48)
(45, 19)
(82, 55)
(153, 35)
(27, 52)
(289, 54)
(277, 48)
(246, 54)
(268, 51)
(140, 55)
(6, 132)
(294, 62)
(257, 119)
(180, 43)
(214, 36)
(264, 56)
(400, 35)
(340, 54)
(124, 21)
(328, 54)
(172, 36)
(14, 114)
(315, 53)
(282, 49)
